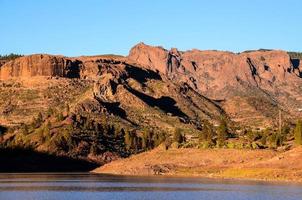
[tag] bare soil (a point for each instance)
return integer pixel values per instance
(215, 163)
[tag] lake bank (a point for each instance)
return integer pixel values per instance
(267, 165)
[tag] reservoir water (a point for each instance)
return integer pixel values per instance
(96, 187)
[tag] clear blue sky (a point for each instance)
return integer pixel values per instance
(89, 27)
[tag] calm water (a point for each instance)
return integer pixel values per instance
(92, 187)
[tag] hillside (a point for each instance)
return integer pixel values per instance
(251, 86)
(102, 108)
(218, 163)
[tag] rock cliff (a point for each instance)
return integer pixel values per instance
(250, 87)
(269, 74)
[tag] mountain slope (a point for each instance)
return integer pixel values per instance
(100, 108)
(66, 105)
(261, 82)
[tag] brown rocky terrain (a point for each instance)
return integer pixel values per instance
(60, 104)
(110, 80)
(214, 163)
(251, 86)
(48, 103)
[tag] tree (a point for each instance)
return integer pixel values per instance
(47, 131)
(10, 56)
(158, 138)
(207, 132)
(37, 122)
(222, 133)
(298, 132)
(94, 148)
(285, 130)
(49, 112)
(144, 142)
(178, 137)
(24, 129)
(60, 117)
(128, 140)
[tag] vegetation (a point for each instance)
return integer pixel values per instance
(77, 135)
(206, 135)
(295, 55)
(222, 133)
(178, 137)
(11, 56)
(2, 130)
(298, 133)
(80, 135)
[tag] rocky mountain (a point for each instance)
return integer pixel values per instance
(251, 86)
(89, 106)
(67, 105)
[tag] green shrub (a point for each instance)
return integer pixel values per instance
(231, 145)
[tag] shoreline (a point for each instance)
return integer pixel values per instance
(234, 164)
(200, 177)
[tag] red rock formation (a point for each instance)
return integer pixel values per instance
(263, 80)
(49, 65)
(223, 75)
(214, 70)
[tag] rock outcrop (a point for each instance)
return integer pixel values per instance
(219, 75)
(250, 86)
(35, 65)
(83, 106)
(57, 66)
(212, 71)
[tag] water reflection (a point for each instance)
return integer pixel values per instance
(93, 186)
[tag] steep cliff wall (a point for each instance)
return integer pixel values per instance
(212, 71)
(57, 66)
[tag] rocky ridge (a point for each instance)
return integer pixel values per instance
(152, 89)
(269, 75)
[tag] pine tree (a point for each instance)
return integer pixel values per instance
(60, 117)
(37, 122)
(144, 141)
(178, 137)
(47, 131)
(298, 132)
(24, 129)
(50, 112)
(207, 132)
(128, 140)
(222, 133)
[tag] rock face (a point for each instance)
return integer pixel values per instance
(35, 65)
(68, 101)
(122, 88)
(224, 75)
(250, 86)
(81, 107)
(55, 66)
(212, 71)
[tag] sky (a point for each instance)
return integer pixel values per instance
(94, 27)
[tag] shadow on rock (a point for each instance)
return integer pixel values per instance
(142, 75)
(165, 103)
